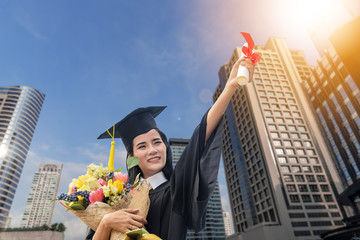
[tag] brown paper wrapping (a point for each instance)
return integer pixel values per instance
(138, 198)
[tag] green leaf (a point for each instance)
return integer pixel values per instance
(54, 200)
(132, 162)
(136, 234)
(76, 206)
(118, 170)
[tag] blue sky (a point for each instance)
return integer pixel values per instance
(98, 60)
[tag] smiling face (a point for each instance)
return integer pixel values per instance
(151, 151)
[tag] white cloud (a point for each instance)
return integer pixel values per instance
(45, 147)
(26, 22)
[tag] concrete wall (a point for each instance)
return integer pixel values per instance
(32, 235)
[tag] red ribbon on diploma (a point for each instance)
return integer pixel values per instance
(248, 51)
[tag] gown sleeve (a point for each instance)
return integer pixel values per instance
(194, 177)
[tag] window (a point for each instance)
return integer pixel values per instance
(303, 160)
(294, 198)
(317, 169)
(299, 224)
(288, 178)
(295, 135)
(317, 198)
(284, 135)
(313, 188)
(310, 178)
(272, 127)
(296, 215)
(303, 188)
(274, 135)
(299, 178)
(279, 151)
(290, 151)
(314, 160)
(321, 178)
(282, 160)
(300, 152)
(285, 169)
(328, 198)
(324, 188)
(295, 169)
(291, 188)
(306, 198)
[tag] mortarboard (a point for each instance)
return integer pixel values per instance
(137, 122)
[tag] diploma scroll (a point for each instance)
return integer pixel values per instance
(242, 76)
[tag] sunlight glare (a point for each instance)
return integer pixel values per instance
(313, 12)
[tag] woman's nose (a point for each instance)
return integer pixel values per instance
(152, 149)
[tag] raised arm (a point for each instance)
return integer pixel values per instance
(218, 109)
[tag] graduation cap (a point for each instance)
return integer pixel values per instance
(137, 122)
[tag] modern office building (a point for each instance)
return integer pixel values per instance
(280, 177)
(39, 208)
(333, 90)
(227, 223)
(214, 224)
(19, 112)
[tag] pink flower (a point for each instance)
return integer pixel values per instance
(96, 196)
(120, 176)
(71, 188)
(102, 182)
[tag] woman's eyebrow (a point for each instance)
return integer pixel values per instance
(140, 143)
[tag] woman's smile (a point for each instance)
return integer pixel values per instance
(151, 151)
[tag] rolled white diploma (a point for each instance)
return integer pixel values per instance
(242, 76)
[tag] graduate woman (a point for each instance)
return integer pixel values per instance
(178, 197)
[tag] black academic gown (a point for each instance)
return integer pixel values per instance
(180, 203)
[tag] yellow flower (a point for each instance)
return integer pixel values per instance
(106, 190)
(119, 186)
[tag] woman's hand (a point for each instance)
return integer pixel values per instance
(246, 62)
(122, 221)
(217, 110)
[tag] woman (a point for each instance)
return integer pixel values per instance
(178, 198)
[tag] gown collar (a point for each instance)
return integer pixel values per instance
(156, 180)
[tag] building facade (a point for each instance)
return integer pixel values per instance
(227, 223)
(214, 223)
(19, 112)
(39, 208)
(333, 91)
(281, 182)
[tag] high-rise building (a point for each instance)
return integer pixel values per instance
(227, 223)
(333, 90)
(39, 208)
(279, 174)
(19, 112)
(214, 224)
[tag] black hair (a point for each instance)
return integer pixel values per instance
(167, 169)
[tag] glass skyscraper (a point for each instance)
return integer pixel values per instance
(333, 90)
(214, 223)
(281, 181)
(19, 112)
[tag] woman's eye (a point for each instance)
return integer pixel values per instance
(158, 142)
(141, 147)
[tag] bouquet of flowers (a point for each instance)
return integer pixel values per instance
(101, 191)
